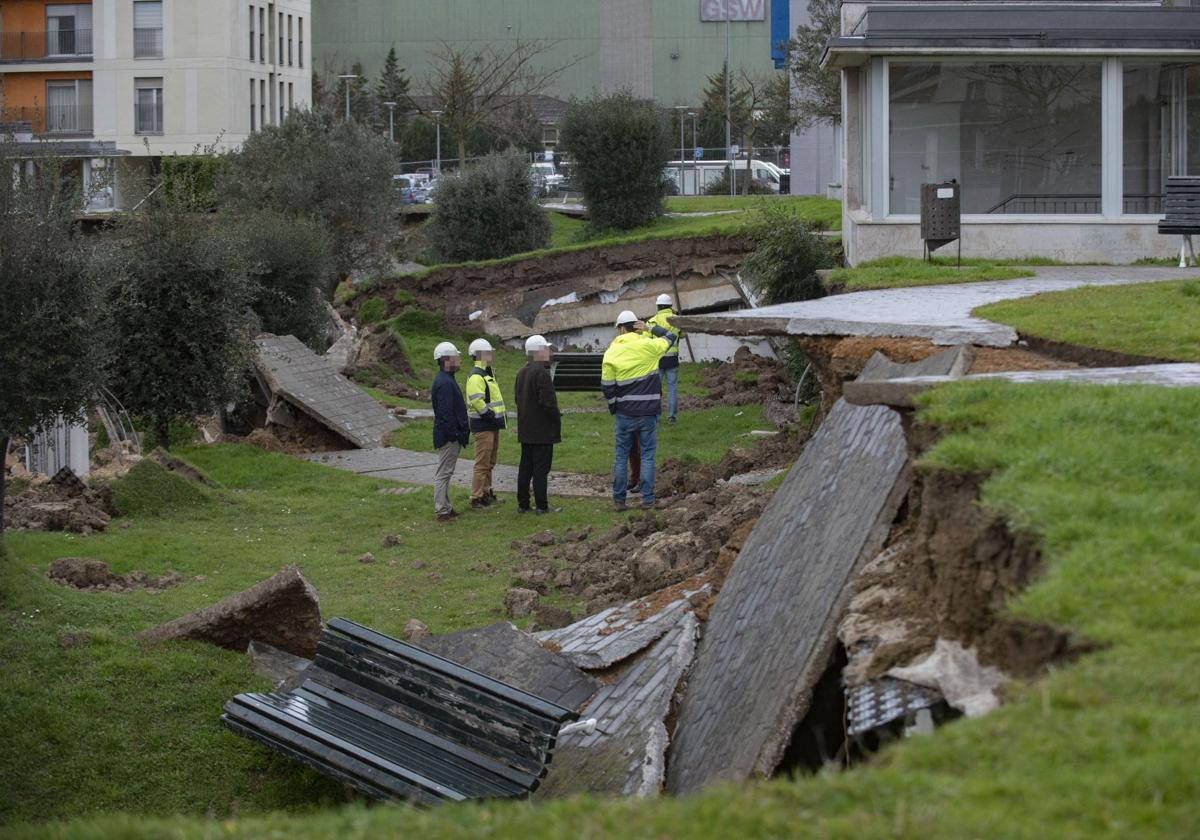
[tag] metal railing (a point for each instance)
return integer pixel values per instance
(148, 43)
(58, 45)
(66, 120)
(1082, 204)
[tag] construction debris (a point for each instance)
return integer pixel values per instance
(282, 611)
(64, 503)
(93, 575)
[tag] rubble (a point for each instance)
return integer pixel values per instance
(282, 611)
(415, 630)
(93, 575)
(64, 503)
(519, 603)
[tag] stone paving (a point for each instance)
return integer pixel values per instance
(939, 313)
(310, 383)
(899, 393)
(421, 467)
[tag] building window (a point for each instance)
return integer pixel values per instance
(1021, 138)
(279, 29)
(1161, 130)
(281, 112)
(148, 106)
(289, 40)
(68, 29)
(262, 102)
(291, 102)
(300, 40)
(147, 29)
(251, 32)
(262, 36)
(69, 107)
(253, 115)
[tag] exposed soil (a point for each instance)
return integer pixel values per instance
(949, 572)
(749, 379)
(64, 503)
(94, 576)
(699, 535)
(303, 437)
(676, 478)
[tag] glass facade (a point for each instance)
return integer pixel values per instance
(1160, 130)
(1021, 137)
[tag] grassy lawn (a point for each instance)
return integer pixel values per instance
(1146, 319)
(826, 213)
(897, 272)
(112, 727)
(1104, 748)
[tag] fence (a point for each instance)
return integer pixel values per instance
(64, 119)
(39, 46)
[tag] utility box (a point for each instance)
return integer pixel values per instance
(941, 215)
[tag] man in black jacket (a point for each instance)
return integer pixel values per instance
(539, 425)
(450, 429)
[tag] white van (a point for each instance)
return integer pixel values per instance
(699, 174)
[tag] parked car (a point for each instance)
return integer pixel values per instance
(545, 178)
(409, 191)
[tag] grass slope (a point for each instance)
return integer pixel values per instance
(896, 272)
(1146, 319)
(1111, 478)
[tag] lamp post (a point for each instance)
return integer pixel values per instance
(728, 85)
(437, 169)
(692, 114)
(346, 77)
(391, 106)
(679, 109)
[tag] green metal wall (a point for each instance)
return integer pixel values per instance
(679, 51)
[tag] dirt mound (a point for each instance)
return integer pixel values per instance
(948, 574)
(379, 361)
(778, 451)
(64, 503)
(699, 535)
(93, 575)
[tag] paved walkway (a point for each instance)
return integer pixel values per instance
(939, 313)
(420, 468)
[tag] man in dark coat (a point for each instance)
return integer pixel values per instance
(539, 425)
(451, 431)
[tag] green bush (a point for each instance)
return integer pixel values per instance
(190, 181)
(787, 253)
(372, 311)
(620, 147)
(721, 185)
(417, 321)
(290, 262)
(403, 297)
(488, 211)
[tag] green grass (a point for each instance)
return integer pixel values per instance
(1110, 477)
(897, 272)
(1147, 319)
(825, 213)
(113, 727)
(150, 490)
(699, 437)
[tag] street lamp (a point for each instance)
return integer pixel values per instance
(437, 119)
(346, 77)
(391, 106)
(728, 85)
(680, 109)
(692, 114)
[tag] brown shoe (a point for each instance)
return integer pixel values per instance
(446, 517)
(478, 504)
(620, 507)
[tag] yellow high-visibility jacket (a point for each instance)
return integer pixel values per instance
(662, 319)
(629, 376)
(485, 405)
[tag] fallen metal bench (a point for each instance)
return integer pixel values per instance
(398, 722)
(1182, 207)
(576, 371)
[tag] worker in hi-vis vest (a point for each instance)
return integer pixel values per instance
(485, 408)
(669, 364)
(632, 385)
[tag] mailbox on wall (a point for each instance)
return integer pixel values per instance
(941, 216)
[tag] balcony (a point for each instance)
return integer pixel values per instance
(148, 42)
(58, 45)
(56, 121)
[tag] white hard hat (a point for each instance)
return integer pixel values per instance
(443, 350)
(626, 317)
(479, 345)
(664, 300)
(536, 342)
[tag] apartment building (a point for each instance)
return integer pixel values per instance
(118, 84)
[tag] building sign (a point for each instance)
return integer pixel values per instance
(720, 10)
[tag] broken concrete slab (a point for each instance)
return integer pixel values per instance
(504, 653)
(954, 362)
(626, 754)
(772, 629)
(617, 633)
(282, 611)
(955, 672)
(901, 392)
(309, 383)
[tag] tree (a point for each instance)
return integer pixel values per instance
(767, 99)
(393, 84)
(818, 90)
(488, 210)
(319, 167)
(53, 346)
(179, 314)
(620, 147)
(712, 115)
(474, 88)
(787, 254)
(776, 120)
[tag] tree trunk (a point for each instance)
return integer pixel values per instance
(162, 431)
(3, 475)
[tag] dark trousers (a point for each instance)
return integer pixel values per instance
(635, 463)
(535, 467)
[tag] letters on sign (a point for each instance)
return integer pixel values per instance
(732, 10)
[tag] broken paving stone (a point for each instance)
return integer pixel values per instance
(415, 630)
(543, 539)
(282, 611)
(367, 558)
(519, 603)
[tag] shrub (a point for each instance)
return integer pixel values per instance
(191, 180)
(720, 186)
(488, 211)
(403, 297)
(417, 321)
(787, 254)
(372, 311)
(290, 262)
(620, 146)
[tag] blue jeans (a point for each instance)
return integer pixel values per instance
(671, 376)
(646, 430)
